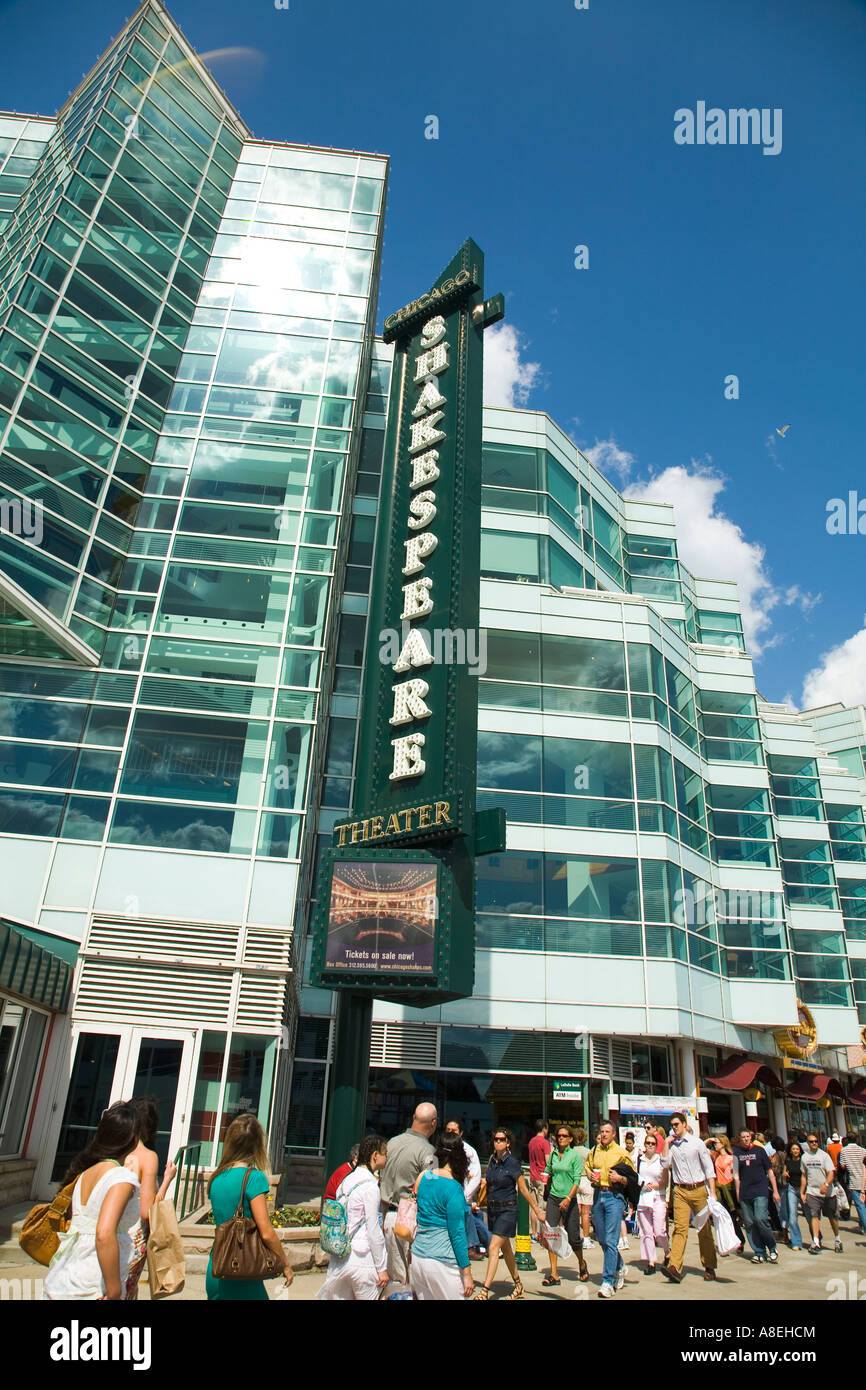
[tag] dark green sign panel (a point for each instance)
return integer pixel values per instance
(416, 763)
(397, 922)
(417, 748)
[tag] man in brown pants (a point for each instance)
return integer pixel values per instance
(693, 1176)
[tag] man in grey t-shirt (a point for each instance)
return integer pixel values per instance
(817, 1191)
(408, 1155)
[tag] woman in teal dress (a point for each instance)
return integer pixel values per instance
(243, 1148)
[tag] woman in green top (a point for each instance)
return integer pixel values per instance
(243, 1148)
(565, 1169)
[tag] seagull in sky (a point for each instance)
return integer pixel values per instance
(783, 431)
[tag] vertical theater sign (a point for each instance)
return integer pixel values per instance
(397, 894)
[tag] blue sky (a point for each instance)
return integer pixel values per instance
(556, 129)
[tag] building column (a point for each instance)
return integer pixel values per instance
(686, 1056)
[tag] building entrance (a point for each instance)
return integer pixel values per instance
(115, 1064)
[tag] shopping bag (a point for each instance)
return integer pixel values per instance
(554, 1239)
(166, 1271)
(406, 1221)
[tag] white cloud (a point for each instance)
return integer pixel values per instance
(507, 380)
(714, 547)
(840, 676)
(804, 601)
(609, 458)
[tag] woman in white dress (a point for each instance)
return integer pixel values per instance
(363, 1273)
(95, 1254)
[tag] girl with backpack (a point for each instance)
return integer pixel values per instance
(362, 1273)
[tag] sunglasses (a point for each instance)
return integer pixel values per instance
(649, 1141)
(500, 1139)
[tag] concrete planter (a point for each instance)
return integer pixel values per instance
(300, 1243)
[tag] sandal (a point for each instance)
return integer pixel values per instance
(548, 1282)
(583, 1275)
(517, 1292)
(481, 1294)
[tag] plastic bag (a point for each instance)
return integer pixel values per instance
(554, 1239)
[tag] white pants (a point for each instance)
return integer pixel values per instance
(434, 1280)
(353, 1278)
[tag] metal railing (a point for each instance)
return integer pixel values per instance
(188, 1179)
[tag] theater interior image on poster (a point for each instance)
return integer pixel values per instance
(382, 917)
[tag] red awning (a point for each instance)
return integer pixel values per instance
(857, 1093)
(739, 1072)
(815, 1086)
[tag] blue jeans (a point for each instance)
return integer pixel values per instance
(607, 1214)
(476, 1231)
(791, 1215)
(760, 1232)
(856, 1201)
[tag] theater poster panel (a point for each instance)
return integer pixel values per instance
(383, 917)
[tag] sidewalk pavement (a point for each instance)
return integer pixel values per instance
(797, 1278)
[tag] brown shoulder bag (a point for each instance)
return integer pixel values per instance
(44, 1225)
(239, 1251)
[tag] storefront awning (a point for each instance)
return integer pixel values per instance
(31, 972)
(739, 1072)
(857, 1093)
(815, 1086)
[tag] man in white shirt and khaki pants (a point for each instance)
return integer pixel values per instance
(693, 1175)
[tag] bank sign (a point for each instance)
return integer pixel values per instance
(416, 761)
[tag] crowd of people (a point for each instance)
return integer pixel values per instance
(752, 1188)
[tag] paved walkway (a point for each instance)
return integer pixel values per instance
(796, 1278)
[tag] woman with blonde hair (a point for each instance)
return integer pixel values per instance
(244, 1151)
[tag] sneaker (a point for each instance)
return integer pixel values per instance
(623, 1244)
(814, 1248)
(606, 1291)
(588, 1244)
(838, 1246)
(619, 1279)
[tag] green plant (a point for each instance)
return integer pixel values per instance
(295, 1216)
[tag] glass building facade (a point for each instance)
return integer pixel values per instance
(684, 859)
(192, 415)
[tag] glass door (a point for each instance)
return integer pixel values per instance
(160, 1065)
(116, 1064)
